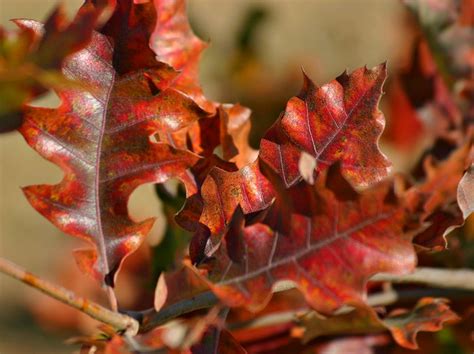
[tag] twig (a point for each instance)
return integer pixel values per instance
(119, 321)
(443, 278)
(434, 277)
(112, 298)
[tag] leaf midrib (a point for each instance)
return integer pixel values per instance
(306, 250)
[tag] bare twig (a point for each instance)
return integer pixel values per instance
(119, 321)
(434, 277)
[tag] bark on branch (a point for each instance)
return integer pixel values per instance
(117, 320)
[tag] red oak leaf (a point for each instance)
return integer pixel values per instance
(434, 201)
(228, 130)
(171, 40)
(336, 122)
(339, 121)
(175, 44)
(101, 141)
(234, 131)
(223, 191)
(130, 28)
(30, 63)
(332, 246)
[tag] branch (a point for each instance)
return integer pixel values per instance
(119, 321)
(441, 278)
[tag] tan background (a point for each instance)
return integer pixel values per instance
(339, 33)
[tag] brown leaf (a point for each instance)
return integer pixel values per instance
(466, 193)
(361, 320)
(429, 315)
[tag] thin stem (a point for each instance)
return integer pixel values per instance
(439, 278)
(442, 278)
(112, 299)
(119, 321)
(151, 319)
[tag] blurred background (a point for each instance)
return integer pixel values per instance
(257, 50)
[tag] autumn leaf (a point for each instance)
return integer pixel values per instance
(217, 340)
(234, 131)
(223, 191)
(30, 63)
(429, 314)
(466, 193)
(331, 248)
(360, 320)
(175, 44)
(434, 200)
(100, 139)
(175, 286)
(339, 121)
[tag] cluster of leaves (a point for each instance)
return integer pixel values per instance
(314, 206)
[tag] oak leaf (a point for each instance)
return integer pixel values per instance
(328, 246)
(100, 139)
(433, 201)
(428, 315)
(339, 121)
(30, 63)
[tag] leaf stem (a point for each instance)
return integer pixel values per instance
(112, 299)
(150, 318)
(118, 321)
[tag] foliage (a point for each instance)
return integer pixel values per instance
(316, 206)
